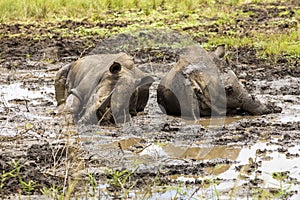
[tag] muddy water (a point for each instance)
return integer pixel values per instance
(239, 152)
(25, 101)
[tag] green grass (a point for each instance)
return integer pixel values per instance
(284, 43)
(120, 183)
(24, 9)
(266, 44)
(192, 17)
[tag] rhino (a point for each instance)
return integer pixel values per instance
(102, 89)
(202, 84)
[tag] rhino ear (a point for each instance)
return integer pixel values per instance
(220, 51)
(115, 68)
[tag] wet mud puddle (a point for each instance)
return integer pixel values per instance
(246, 154)
(223, 167)
(240, 156)
(27, 102)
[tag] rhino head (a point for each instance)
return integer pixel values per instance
(202, 84)
(123, 95)
(102, 89)
(193, 88)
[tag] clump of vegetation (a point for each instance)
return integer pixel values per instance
(15, 173)
(282, 187)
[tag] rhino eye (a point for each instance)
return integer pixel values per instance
(115, 68)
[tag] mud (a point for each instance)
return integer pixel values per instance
(163, 156)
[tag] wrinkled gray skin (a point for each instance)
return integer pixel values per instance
(201, 84)
(102, 89)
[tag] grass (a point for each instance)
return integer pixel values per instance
(284, 43)
(193, 17)
(27, 186)
(273, 45)
(21, 9)
(119, 184)
(43, 9)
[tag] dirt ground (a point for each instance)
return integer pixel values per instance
(163, 156)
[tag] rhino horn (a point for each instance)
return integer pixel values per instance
(147, 80)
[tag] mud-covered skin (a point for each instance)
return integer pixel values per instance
(102, 88)
(201, 84)
(238, 98)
